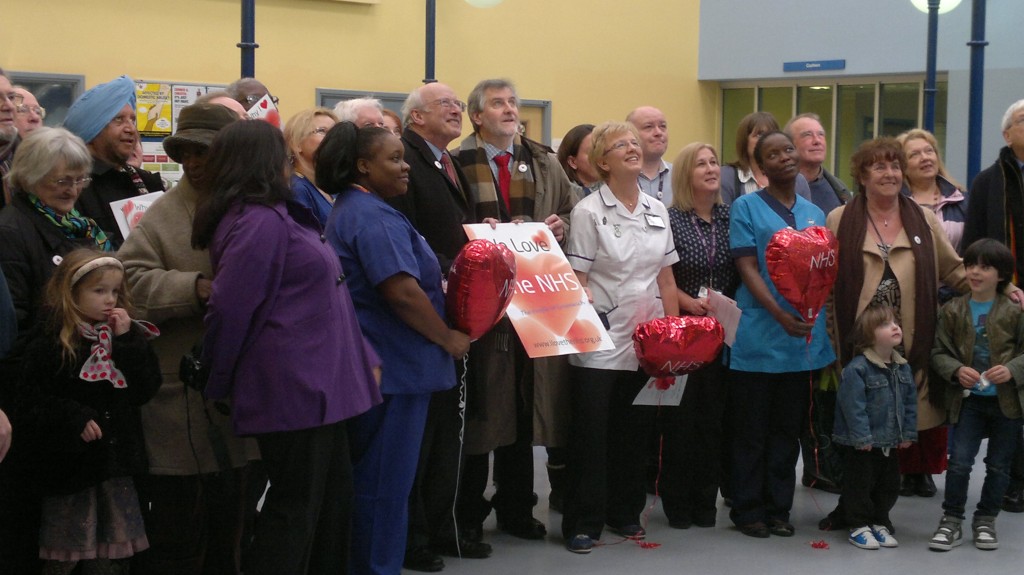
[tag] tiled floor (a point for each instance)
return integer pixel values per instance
(723, 550)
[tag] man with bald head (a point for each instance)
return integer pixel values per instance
(29, 115)
(655, 177)
(437, 205)
(223, 98)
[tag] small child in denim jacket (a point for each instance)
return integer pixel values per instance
(876, 412)
(979, 342)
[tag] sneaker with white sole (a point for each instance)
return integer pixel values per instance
(580, 544)
(864, 538)
(948, 535)
(985, 533)
(883, 536)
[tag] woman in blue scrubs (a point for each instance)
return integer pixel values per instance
(395, 282)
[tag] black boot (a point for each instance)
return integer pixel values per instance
(925, 485)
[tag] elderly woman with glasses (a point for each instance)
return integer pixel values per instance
(303, 134)
(622, 251)
(38, 227)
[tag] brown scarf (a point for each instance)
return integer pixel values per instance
(484, 190)
(853, 228)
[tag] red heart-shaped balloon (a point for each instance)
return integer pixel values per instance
(803, 266)
(480, 286)
(670, 346)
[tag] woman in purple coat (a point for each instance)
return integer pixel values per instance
(283, 343)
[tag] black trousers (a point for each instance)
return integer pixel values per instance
(691, 450)
(432, 499)
(513, 464)
(607, 451)
(768, 412)
(871, 487)
(193, 523)
(1017, 467)
(305, 524)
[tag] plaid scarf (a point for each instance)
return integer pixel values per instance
(73, 224)
(483, 188)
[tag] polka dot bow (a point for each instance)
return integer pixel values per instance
(100, 365)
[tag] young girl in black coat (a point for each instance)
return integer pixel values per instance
(85, 376)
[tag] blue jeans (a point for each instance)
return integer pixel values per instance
(980, 417)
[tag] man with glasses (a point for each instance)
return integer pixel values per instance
(104, 117)
(437, 206)
(28, 115)
(511, 178)
(827, 191)
(9, 101)
(995, 210)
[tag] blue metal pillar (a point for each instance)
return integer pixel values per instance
(431, 30)
(248, 43)
(977, 93)
(929, 75)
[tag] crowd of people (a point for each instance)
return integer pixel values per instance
(261, 377)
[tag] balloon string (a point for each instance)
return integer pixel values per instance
(643, 544)
(810, 425)
(462, 433)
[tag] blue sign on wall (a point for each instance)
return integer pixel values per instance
(813, 65)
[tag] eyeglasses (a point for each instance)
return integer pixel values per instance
(38, 110)
(14, 98)
(448, 103)
(622, 145)
(69, 183)
(319, 131)
(253, 98)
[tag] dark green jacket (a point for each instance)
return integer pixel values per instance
(954, 348)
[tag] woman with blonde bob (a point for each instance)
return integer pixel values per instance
(692, 432)
(622, 253)
(928, 183)
(303, 134)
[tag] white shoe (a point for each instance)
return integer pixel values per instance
(947, 536)
(884, 538)
(864, 538)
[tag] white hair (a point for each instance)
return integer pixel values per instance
(348, 110)
(1008, 116)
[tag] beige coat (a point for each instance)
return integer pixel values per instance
(162, 269)
(949, 270)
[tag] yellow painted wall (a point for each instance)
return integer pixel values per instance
(594, 59)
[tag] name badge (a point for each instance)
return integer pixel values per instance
(655, 221)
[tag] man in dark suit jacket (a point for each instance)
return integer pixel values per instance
(437, 205)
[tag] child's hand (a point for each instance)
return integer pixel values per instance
(967, 377)
(999, 374)
(865, 448)
(119, 321)
(91, 432)
(906, 444)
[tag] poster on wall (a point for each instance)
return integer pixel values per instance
(549, 310)
(184, 95)
(153, 109)
(156, 160)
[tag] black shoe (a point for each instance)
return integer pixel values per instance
(1013, 501)
(908, 484)
(422, 559)
(705, 519)
(464, 548)
(528, 528)
(925, 486)
(758, 530)
(781, 528)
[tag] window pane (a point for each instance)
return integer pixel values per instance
(736, 103)
(818, 100)
(777, 101)
(855, 122)
(898, 108)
